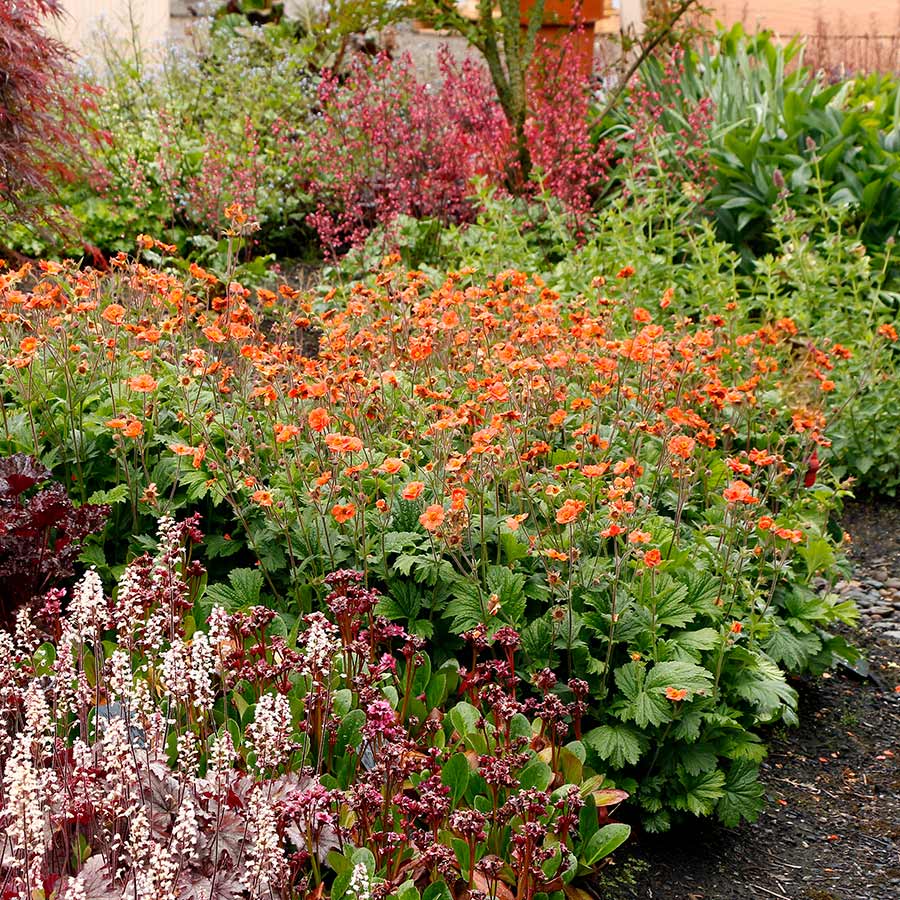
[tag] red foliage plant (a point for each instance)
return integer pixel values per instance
(389, 145)
(42, 112)
(42, 533)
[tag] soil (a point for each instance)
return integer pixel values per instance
(831, 829)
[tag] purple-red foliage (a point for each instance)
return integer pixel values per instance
(572, 166)
(41, 533)
(40, 107)
(389, 145)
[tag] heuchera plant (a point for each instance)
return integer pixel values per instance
(272, 757)
(41, 533)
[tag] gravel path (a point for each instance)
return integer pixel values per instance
(831, 830)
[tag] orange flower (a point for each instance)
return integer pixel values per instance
(143, 384)
(675, 694)
(681, 445)
(285, 433)
(556, 418)
(765, 523)
(319, 419)
(641, 315)
(887, 331)
(739, 492)
(652, 558)
(133, 429)
(613, 530)
(114, 314)
(343, 443)
(569, 511)
(513, 522)
(117, 423)
(595, 470)
(736, 627)
(413, 490)
(214, 334)
(738, 467)
(263, 498)
(432, 518)
(343, 513)
(28, 345)
(639, 537)
(761, 457)
(391, 466)
(794, 535)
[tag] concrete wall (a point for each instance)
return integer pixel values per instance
(148, 19)
(803, 16)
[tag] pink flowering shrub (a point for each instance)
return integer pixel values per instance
(143, 756)
(668, 131)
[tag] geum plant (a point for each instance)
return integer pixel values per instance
(642, 495)
(144, 757)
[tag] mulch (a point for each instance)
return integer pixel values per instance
(831, 829)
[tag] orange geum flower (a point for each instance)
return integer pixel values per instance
(114, 314)
(116, 424)
(595, 470)
(343, 443)
(343, 512)
(433, 517)
(738, 467)
(263, 498)
(413, 490)
(675, 694)
(612, 530)
(319, 419)
(285, 432)
(639, 537)
(569, 511)
(513, 522)
(133, 429)
(681, 445)
(556, 418)
(765, 523)
(794, 535)
(28, 345)
(761, 457)
(143, 384)
(740, 492)
(391, 465)
(652, 558)
(214, 334)
(887, 331)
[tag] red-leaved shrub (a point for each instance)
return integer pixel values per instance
(40, 107)
(388, 145)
